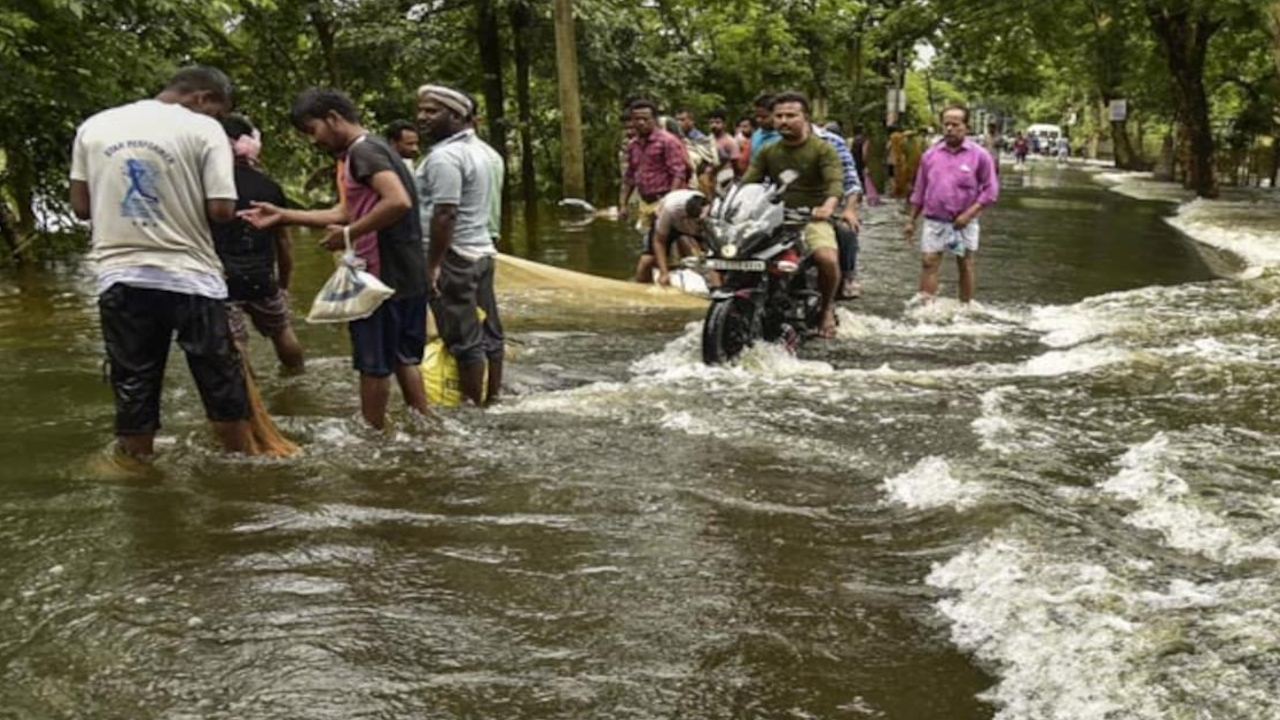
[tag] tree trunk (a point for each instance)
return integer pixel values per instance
(326, 33)
(521, 26)
(1185, 39)
(571, 152)
(489, 40)
(1126, 158)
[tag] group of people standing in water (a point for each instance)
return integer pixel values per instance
(675, 169)
(190, 235)
(189, 238)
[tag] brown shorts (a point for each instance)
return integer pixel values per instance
(270, 316)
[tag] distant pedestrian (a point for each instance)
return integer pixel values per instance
(258, 263)
(402, 135)
(657, 163)
(955, 183)
(150, 176)
(726, 145)
(896, 162)
(764, 135)
(1020, 149)
(1063, 149)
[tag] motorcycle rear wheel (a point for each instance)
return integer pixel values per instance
(732, 326)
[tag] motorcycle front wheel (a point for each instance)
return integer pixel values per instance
(732, 326)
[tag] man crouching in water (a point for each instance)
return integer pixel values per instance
(819, 185)
(454, 184)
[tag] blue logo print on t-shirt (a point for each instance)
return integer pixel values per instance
(141, 200)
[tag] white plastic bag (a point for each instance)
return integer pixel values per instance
(350, 293)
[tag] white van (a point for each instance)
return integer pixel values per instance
(1048, 134)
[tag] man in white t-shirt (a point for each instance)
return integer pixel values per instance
(455, 185)
(150, 176)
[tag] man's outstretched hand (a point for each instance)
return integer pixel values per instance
(262, 215)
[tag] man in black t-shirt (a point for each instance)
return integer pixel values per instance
(258, 263)
(378, 211)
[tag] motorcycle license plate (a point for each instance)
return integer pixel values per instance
(739, 265)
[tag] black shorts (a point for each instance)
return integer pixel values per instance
(137, 327)
(395, 334)
(466, 286)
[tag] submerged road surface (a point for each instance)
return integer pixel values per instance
(1058, 505)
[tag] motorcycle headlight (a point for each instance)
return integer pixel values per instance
(729, 251)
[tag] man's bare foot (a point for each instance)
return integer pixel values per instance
(827, 329)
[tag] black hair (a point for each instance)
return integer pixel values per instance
(236, 125)
(626, 114)
(202, 78)
(315, 103)
(643, 105)
(694, 205)
(790, 96)
(955, 106)
(395, 129)
(763, 100)
(745, 119)
(688, 112)
(720, 113)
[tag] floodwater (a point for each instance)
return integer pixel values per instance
(1059, 505)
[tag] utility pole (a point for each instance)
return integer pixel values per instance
(571, 154)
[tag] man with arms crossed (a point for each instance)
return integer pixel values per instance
(456, 183)
(955, 183)
(820, 186)
(150, 176)
(378, 210)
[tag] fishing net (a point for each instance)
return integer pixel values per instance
(264, 437)
(516, 276)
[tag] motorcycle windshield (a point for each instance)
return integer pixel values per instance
(748, 212)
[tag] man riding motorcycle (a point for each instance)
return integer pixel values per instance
(819, 185)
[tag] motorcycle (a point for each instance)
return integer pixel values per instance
(769, 290)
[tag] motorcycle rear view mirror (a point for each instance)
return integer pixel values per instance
(724, 181)
(785, 178)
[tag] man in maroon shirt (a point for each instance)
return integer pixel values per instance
(656, 164)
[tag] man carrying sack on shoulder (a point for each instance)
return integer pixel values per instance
(455, 184)
(378, 213)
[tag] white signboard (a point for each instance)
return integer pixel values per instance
(1119, 110)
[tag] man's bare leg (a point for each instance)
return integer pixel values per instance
(289, 350)
(495, 380)
(138, 446)
(374, 392)
(235, 436)
(644, 269)
(471, 381)
(828, 262)
(968, 278)
(409, 377)
(929, 264)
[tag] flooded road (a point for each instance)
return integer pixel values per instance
(1060, 504)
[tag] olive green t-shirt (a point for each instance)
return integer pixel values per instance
(821, 174)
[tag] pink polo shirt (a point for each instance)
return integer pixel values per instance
(951, 181)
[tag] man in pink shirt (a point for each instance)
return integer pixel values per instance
(955, 183)
(656, 164)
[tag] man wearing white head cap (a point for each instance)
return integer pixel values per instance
(454, 184)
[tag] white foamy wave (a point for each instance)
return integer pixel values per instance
(681, 359)
(1077, 641)
(956, 322)
(996, 430)
(1074, 361)
(1166, 505)
(1143, 186)
(1248, 230)
(930, 484)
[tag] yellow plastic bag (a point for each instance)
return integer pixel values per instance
(440, 374)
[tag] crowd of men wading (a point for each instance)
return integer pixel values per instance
(190, 235)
